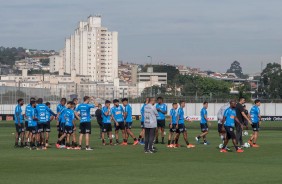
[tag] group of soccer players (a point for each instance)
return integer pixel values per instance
(38, 116)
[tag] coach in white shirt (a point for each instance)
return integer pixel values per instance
(150, 125)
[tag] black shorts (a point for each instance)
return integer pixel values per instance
(100, 124)
(107, 127)
(245, 123)
(46, 127)
(39, 127)
(161, 123)
(19, 129)
(128, 125)
(255, 127)
(181, 128)
(204, 127)
(120, 126)
(142, 124)
(230, 132)
(173, 128)
(85, 128)
(68, 130)
(219, 128)
(33, 129)
(62, 127)
(26, 126)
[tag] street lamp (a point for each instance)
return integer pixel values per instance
(151, 58)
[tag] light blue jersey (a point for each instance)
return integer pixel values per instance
(69, 117)
(255, 114)
(60, 109)
(128, 111)
(106, 118)
(180, 113)
(173, 114)
(30, 114)
(142, 112)
(18, 114)
(41, 111)
(230, 115)
(84, 112)
(204, 113)
(163, 108)
(117, 112)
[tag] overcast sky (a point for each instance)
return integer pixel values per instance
(209, 34)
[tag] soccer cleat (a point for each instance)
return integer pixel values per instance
(250, 142)
(62, 146)
(135, 142)
(46, 145)
(191, 146)
(89, 149)
(104, 144)
(177, 145)
(141, 143)
(205, 143)
(227, 149)
(58, 146)
(77, 148)
(240, 151)
(223, 151)
(111, 144)
(124, 144)
(255, 146)
(43, 148)
(146, 151)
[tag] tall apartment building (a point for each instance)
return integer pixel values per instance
(91, 51)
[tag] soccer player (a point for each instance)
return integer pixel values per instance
(50, 117)
(172, 125)
(204, 124)
(60, 117)
(85, 120)
(228, 122)
(128, 120)
(256, 121)
(19, 123)
(180, 127)
(141, 135)
(118, 118)
(107, 125)
(74, 142)
(241, 117)
(41, 111)
(99, 117)
(27, 131)
(162, 110)
(246, 123)
(32, 124)
(69, 125)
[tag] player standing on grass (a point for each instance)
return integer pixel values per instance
(128, 120)
(150, 125)
(204, 124)
(49, 118)
(107, 124)
(256, 120)
(69, 125)
(74, 142)
(228, 122)
(19, 124)
(41, 111)
(27, 132)
(60, 109)
(85, 121)
(141, 135)
(162, 110)
(118, 118)
(173, 122)
(99, 118)
(32, 124)
(180, 127)
(240, 113)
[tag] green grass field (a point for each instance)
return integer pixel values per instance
(129, 165)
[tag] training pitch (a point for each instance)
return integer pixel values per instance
(129, 164)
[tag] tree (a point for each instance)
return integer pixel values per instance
(271, 80)
(153, 91)
(45, 62)
(237, 69)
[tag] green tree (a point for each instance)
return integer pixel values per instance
(237, 69)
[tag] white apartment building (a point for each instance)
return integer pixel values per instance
(91, 51)
(152, 77)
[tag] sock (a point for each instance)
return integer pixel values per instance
(199, 137)
(25, 143)
(68, 145)
(47, 141)
(157, 140)
(254, 143)
(168, 142)
(142, 139)
(124, 140)
(79, 146)
(236, 147)
(111, 141)
(135, 139)
(172, 142)
(117, 141)
(223, 147)
(87, 146)
(162, 139)
(75, 144)
(205, 141)
(187, 143)
(22, 144)
(103, 141)
(176, 141)
(222, 137)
